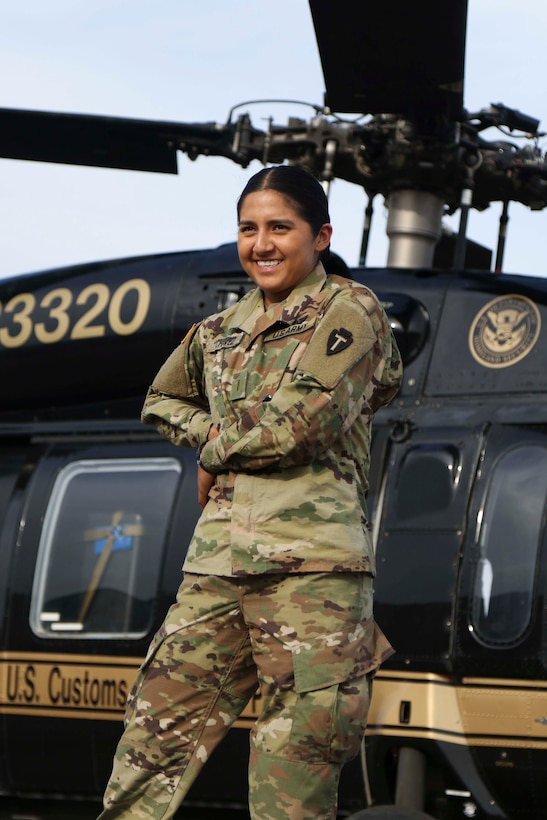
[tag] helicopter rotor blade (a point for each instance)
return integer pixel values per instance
(392, 58)
(116, 142)
(80, 139)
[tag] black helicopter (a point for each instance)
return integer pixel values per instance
(95, 509)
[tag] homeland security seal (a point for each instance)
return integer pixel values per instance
(504, 331)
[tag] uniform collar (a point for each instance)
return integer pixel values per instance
(254, 318)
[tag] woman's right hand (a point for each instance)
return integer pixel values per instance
(205, 479)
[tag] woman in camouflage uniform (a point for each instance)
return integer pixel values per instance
(277, 394)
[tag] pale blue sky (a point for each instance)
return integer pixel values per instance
(187, 61)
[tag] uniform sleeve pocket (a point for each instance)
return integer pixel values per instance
(343, 336)
(174, 378)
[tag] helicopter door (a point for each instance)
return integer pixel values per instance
(428, 481)
(501, 620)
(15, 463)
(82, 606)
(500, 651)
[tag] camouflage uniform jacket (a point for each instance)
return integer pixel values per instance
(292, 389)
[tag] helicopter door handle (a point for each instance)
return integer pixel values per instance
(402, 431)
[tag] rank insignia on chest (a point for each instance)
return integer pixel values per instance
(339, 339)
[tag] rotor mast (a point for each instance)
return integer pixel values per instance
(413, 228)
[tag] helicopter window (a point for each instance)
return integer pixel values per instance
(427, 484)
(99, 555)
(509, 538)
(409, 321)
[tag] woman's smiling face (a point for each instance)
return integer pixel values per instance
(276, 246)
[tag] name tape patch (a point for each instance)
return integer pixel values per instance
(227, 342)
(289, 331)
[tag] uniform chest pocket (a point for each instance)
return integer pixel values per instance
(269, 365)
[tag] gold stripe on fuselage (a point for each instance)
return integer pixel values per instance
(477, 711)
(82, 687)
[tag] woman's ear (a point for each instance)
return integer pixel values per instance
(322, 240)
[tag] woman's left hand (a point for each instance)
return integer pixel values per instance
(205, 482)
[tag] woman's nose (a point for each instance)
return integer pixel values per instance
(263, 242)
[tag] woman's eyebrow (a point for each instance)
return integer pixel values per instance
(269, 222)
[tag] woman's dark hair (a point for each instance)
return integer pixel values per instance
(298, 185)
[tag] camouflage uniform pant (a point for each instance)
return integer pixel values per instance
(307, 640)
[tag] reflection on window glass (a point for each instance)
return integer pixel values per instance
(509, 539)
(101, 547)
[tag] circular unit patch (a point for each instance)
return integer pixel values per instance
(504, 331)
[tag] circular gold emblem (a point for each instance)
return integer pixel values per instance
(504, 331)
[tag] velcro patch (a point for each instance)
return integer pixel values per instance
(173, 377)
(344, 330)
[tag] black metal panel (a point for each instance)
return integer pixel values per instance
(414, 595)
(490, 338)
(76, 335)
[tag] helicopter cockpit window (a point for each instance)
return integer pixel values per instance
(509, 538)
(100, 551)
